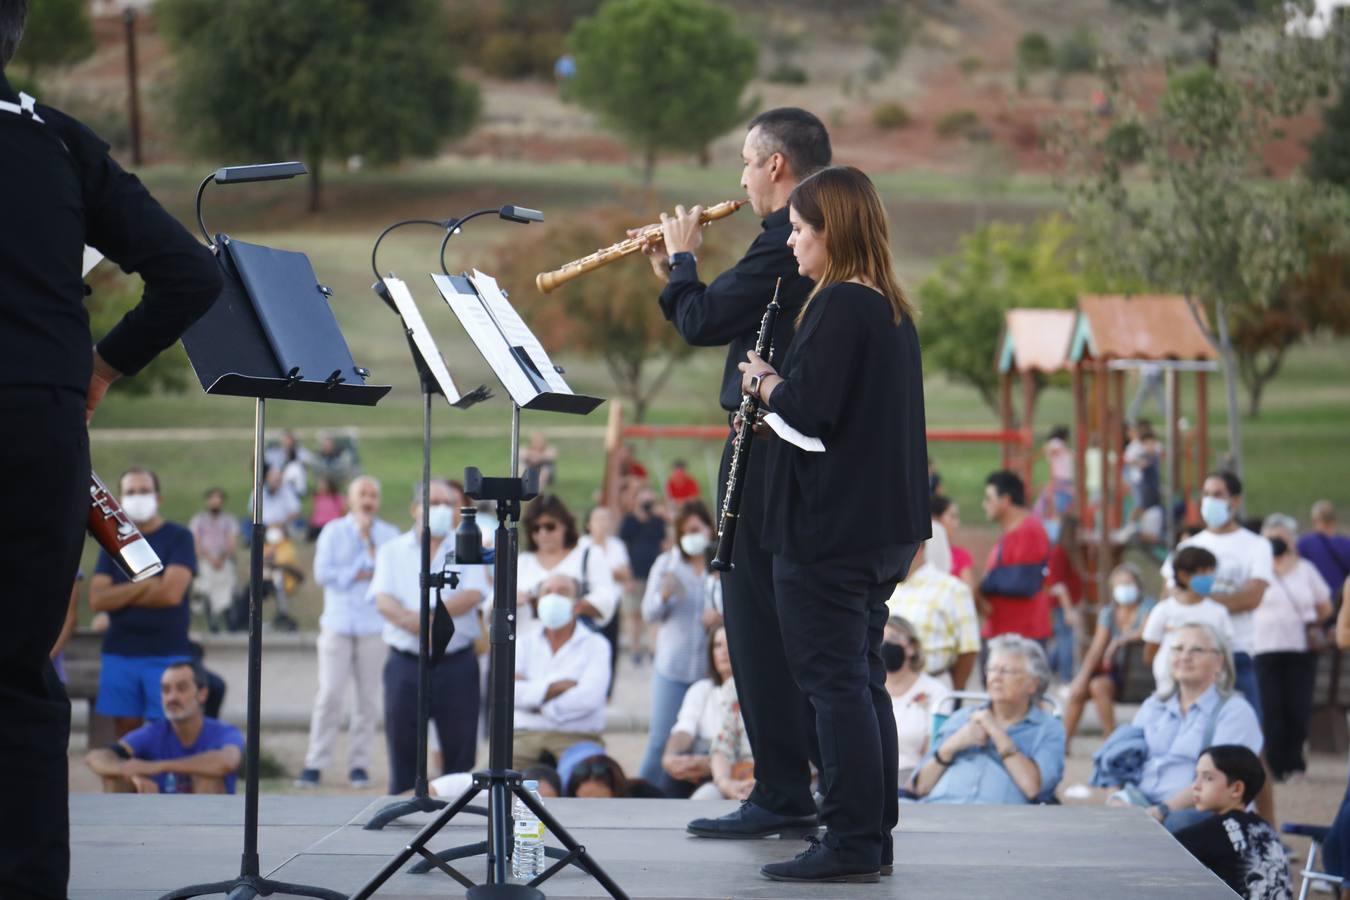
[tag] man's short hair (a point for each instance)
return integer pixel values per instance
(198, 673)
(1239, 763)
(13, 13)
(137, 470)
(213, 491)
(1323, 513)
(1008, 484)
(1230, 481)
(795, 133)
(938, 506)
(1190, 560)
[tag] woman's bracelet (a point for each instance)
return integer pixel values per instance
(937, 757)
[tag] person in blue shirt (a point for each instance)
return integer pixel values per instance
(1006, 752)
(350, 649)
(148, 620)
(183, 753)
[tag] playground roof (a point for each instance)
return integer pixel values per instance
(1036, 340)
(1151, 327)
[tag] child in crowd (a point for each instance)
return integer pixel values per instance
(1190, 602)
(1238, 846)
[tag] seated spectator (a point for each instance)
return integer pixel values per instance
(540, 459)
(183, 753)
(281, 504)
(550, 548)
(942, 610)
(915, 695)
(1193, 569)
(282, 574)
(562, 676)
(1197, 709)
(336, 458)
(1119, 624)
(550, 785)
(946, 513)
(1142, 457)
(730, 759)
(1238, 846)
(329, 506)
(597, 777)
(1007, 751)
(685, 762)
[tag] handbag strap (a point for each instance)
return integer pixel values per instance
(1213, 724)
(1335, 554)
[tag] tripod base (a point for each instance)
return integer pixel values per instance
(470, 850)
(247, 887)
(401, 808)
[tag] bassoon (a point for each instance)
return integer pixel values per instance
(118, 535)
(740, 453)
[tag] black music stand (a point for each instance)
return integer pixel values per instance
(270, 336)
(523, 367)
(435, 379)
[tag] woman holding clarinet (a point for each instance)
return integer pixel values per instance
(844, 524)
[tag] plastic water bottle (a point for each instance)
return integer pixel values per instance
(527, 855)
(170, 783)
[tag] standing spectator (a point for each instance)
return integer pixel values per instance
(551, 548)
(1193, 571)
(915, 695)
(600, 540)
(1242, 576)
(1296, 603)
(396, 589)
(147, 620)
(685, 761)
(1101, 676)
(1064, 582)
(215, 535)
(942, 610)
(1325, 548)
(1057, 497)
(186, 752)
(350, 647)
(675, 601)
(336, 459)
(643, 532)
(947, 514)
(1022, 548)
(1143, 455)
(328, 506)
(281, 505)
(680, 486)
(540, 460)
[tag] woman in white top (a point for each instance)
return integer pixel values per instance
(675, 600)
(686, 761)
(1297, 600)
(549, 535)
(599, 538)
(914, 693)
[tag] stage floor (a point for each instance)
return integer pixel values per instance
(126, 847)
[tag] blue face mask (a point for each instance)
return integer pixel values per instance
(1215, 511)
(1202, 584)
(1052, 530)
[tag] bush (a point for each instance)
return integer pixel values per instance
(1077, 52)
(958, 123)
(971, 64)
(787, 73)
(506, 55)
(1034, 52)
(891, 115)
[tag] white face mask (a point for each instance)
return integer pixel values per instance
(1125, 594)
(440, 520)
(1215, 511)
(555, 611)
(694, 543)
(140, 507)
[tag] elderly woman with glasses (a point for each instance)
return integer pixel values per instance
(1007, 751)
(1197, 710)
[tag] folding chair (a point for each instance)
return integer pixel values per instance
(1317, 834)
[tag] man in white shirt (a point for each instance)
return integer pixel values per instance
(562, 677)
(1246, 569)
(350, 647)
(396, 590)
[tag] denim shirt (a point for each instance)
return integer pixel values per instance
(1175, 741)
(977, 774)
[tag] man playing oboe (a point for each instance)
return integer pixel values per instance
(782, 146)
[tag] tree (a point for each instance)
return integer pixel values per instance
(665, 74)
(111, 296)
(324, 79)
(1329, 150)
(56, 33)
(1199, 217)
(997, 268)
(1217, 16)
(610, 312)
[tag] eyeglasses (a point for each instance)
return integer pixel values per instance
(543, 526)
(1005, 671)
(1191, 652)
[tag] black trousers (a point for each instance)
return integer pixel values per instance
(1286, 685)
(454, 713)
(832, 614)
(778, 717)
(44, 490)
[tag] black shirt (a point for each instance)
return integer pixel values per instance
(60, 191)
(1244, 851)
(643, 539)
(729, 310)
(854, 379)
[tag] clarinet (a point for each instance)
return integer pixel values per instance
(740, 453)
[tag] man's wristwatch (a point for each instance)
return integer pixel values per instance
(757, 379)
(681, 257)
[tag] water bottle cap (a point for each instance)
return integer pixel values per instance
(531, 785)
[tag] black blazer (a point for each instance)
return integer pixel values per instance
(854, 379)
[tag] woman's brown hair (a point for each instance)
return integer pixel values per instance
(550, 505)
(843, 203)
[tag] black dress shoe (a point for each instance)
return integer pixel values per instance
(821, 863)
(751, 821)
(887, 855)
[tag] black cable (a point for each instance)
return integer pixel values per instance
(454, 224)
(439, 223)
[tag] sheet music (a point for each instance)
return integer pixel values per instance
(426, 344)
(517, 333)
(486, 336)
(792, 435)
(91, 258)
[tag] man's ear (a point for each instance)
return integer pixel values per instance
(202, 694)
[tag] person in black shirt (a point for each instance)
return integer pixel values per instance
(844, 525)
(782, 146)
(1238, 846)
(61, 191)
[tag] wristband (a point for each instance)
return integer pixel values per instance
(937, 756)
(1010, 752)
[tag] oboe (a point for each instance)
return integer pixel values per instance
(118, 535)
(740, 454)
